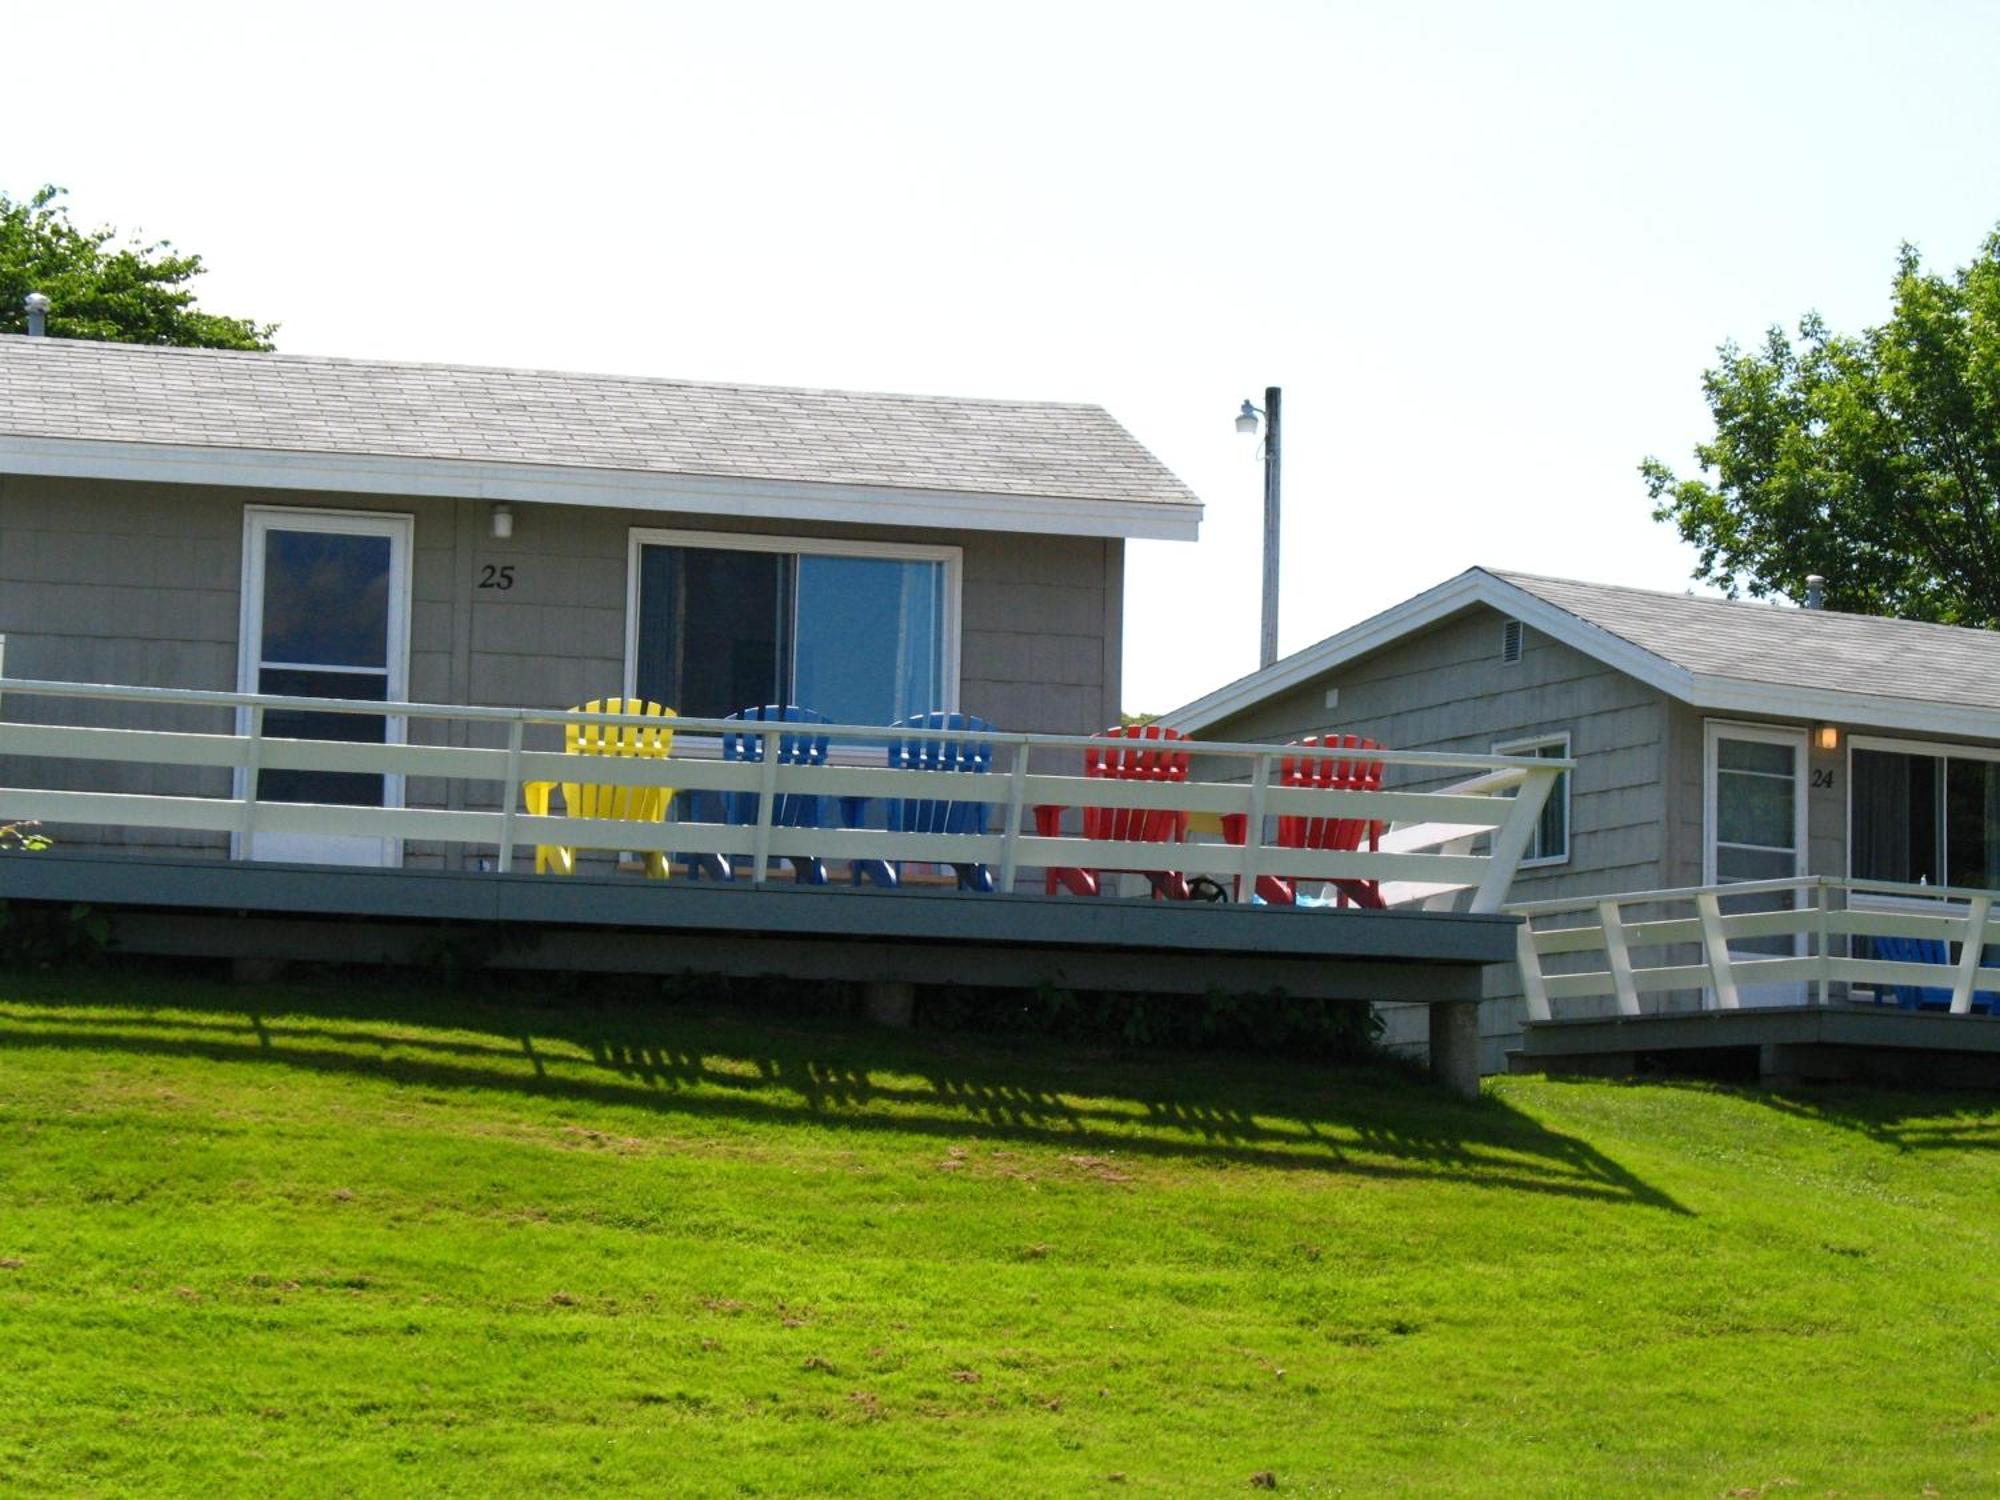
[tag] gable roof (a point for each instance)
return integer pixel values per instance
(219, 416)
(1719, 654)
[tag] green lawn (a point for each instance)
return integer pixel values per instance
(328, 1239)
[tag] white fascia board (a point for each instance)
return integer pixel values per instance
(619, 489)
(1473, 587)
(1704, 691)
(1765, 700)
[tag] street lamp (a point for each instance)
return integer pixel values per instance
(1246, 421)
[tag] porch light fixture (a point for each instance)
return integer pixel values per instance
(1246, 423)
(1826, 737)
(503, 521)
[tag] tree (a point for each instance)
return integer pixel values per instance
(1872, 460)
(127, 293)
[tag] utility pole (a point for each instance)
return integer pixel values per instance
(1246, 421)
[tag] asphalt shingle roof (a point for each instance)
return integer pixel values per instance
(1787, 647)
(124, 393)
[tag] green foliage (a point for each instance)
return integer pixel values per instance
(21, 838)
(1272, 1021)
(129, 292)
(348, 1239)
(1871, 459)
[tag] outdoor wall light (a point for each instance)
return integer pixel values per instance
(503, 522)
(1826, 737)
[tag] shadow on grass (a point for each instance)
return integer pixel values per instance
(1904, 1121)
(744, 1063)
(1902, 1118)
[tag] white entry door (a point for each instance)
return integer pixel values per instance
(1756, 809)
(326, 614)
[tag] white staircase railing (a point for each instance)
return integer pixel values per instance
(1708, 953)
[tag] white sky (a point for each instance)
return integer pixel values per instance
(1486, 250)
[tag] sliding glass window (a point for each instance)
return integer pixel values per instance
(863, 635)
(1926, 817)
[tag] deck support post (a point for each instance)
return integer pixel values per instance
(1455, 1047)
(890, 1003)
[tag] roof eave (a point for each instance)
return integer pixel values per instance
(621, 489)
(1454, 596)
(1707, 692)
(1765, 700)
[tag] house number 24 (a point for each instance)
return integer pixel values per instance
(491, 577)
(1822, 780)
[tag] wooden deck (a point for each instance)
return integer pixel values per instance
(155, 796)
(1777, 1044)
(240, 909)
(889, 941)
(1783, 985)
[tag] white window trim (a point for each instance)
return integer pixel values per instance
(1880, 900)
(1530, 746)
(1714, 730)
(953, 559)
(400, 528)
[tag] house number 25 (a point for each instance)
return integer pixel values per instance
(491, 577)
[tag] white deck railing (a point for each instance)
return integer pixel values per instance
(1503, 800)
(1823, 916)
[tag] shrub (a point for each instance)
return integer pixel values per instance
(1266, 1021)
(44, 934)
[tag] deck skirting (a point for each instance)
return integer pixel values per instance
(240, 909)
(1785, 1044)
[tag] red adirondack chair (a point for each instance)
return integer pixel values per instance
(1137, 754)
(1296, 831)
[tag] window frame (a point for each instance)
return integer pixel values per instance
(1943, 750)
(400, 527)
(1792, 735)
(1534, 745)
(952, 557)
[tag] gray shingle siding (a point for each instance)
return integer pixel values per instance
(1448, 689)
(1038, 647)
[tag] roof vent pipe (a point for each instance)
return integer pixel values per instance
(38, 314)
(1815, 591)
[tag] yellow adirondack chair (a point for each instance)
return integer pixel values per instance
(586, 799)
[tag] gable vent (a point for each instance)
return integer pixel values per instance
(1510, 642)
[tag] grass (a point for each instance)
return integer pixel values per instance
(335, 1239)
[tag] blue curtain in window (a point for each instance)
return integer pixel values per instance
(859, 639)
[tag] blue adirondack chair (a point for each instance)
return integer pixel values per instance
(792, 810)
(927, 814)
(1907, 950)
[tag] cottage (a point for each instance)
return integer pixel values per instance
(297, 643)
(1715, 742)
(343, 528)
